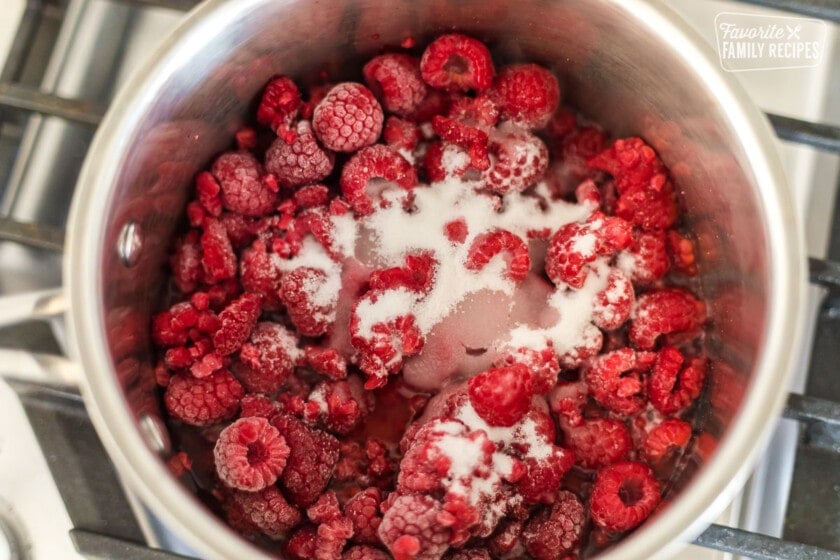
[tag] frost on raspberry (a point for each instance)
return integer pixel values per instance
(364, 552)
(623, 496)
(395, 79)
(268, 511)
(542, 364)
(301, 161)
(663, 312)
(613, 303)
(556, 530)
(250, 454)
(616, 379)
(185, 262)
(339, 405)
(217, 257)
(518, 159)
(372, 170)
(240, 176)
(527, 94)
(473, 140)
(598, 442)
(669, 437)
(363, 511)
(348, 118)
(411, 529)
(502, 396)
(674, 384)
(567, 400)
(259, 273)
(544, 473)
(279, 105)
(237, 320)
(270, 354)
(417, 274)
(486, 246)
(457, 62)
(205, 401)
(310, 298)
(312, 459)
(467, 554)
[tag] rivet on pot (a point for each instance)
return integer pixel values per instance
(155, 434)
(129, 243)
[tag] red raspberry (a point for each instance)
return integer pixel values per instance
(237, 321)
(665, 311)
(309, 299)
(588, 194)
(279, 105)
(478, 111)
(268, 511)
(312, 196)
(243, 191)
(363, 552)
(411, 528)
(682, 253)
(506, 538)
(598, 442)
(395, 79)
(543, 476)
(631, 162)
(673, 385)
(301, 161)
(518, 159)
(325, 509)
(401, 134)
(250, 454)
(646, 260)
(485, 246)
(567, 401)
(472, 139)
(624, 495)
(526, 94)
(670, 436)
(416, 275)
(271, 354)
(456, 62)
(172, 326)
(443, 160)
(502, 396)
(555, 531)
(589, 344)
(185, 262)
(652, 207)
(456, 230)
(301, 545)
(331, 538)
(203, 402)
(616, 379)
(467, 554)
(311, 461)
(326, 361)
(260, 274)
(542, 364)
(363, 511)
(217, 256)
(374, 162)
(209, 193)
(341, 405)
(613, 303)
(254, 404)
(348, 118)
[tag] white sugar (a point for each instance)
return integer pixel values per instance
(345, 231)
(585, 244)
(454, 159)
(389, 305)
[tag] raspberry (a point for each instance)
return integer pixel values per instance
(616, 379)
(395, 79)
(646, 260)
(630, 161)
(348, 118)
(456, 230)
(567, 401)
(468, 554)
(217, 256)
(254, 404)
(268, 510)
(598, 442)
(250, 454)
(670, 436)
(259, 273)
(443, 160)
(362, 552)
(243, 191)
(341, 405)
(478, 111)
(325, 509)
(374, 162)
(485, 246)
(185, 262)
(652, 207)
(555, 531)
(518, 159)
(416, 275)
(326, 361)
(312, 196)
(456, 62)
(526, 94)
(301, 545)
(590, 343)
(363, 511)
(506, 538)
(384, 346)
(682, 253)
(307, 294)
(473, 140)
(208, 191)
(237, 320)
(203, 402)
(624, 495)
(270, 354)
(172, 326)
(673, 385)
(301, 161)
(613, 303)
(411, 529)
(246, 138)
(665, 311)
(311, 461)
(543, 476)
(279, 105)
(542, 364)
(588, 193)
(502, 396)
(401, 134)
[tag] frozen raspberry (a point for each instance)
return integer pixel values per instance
(485, 246)
(185, 262)
(260, 274)
(665, 311)
(269, 511)
(682, 253)
(526, 94)
(598, 442)
(172, 326)
(363, 511)
(254, 404)
(416, 275)
(652, 207)
(319, 223)
(209, 193)
(456, 230)
(237, 320)
(326, 361)
(473, 140)
(616, 379)
(312, 196)
(363, 552)
(588, 194)
(556, 530)
(506, 538)
(395, 79)
(456, 62)
(669, 436)
(331, 538)
(250, 454)
(374, 162)
(502, 396)
(301, 161)
(384, 346)
(279, 105)
(271, 354)
(243, 190)
(443, 160)
(309, 299)
(340, 405)
(301, 545)
(630, 161)
(674, 384)
(203, 402)
(613, 303)
(217, 256)
(588, 345)
(518, 159)
(311, 461)
(468, 554)
(542, 364)
(348, 118)
(401, 134)
(567, 401)
(543, 476)
(624, 495)
(411, 529)
(646, 260)
(478, 111)
(325, 509)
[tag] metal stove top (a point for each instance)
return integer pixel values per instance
(60, 496)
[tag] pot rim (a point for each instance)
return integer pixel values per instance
(705, 496)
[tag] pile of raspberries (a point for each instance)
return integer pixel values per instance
(311, 451)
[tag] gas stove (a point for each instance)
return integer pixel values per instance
(60, 496)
